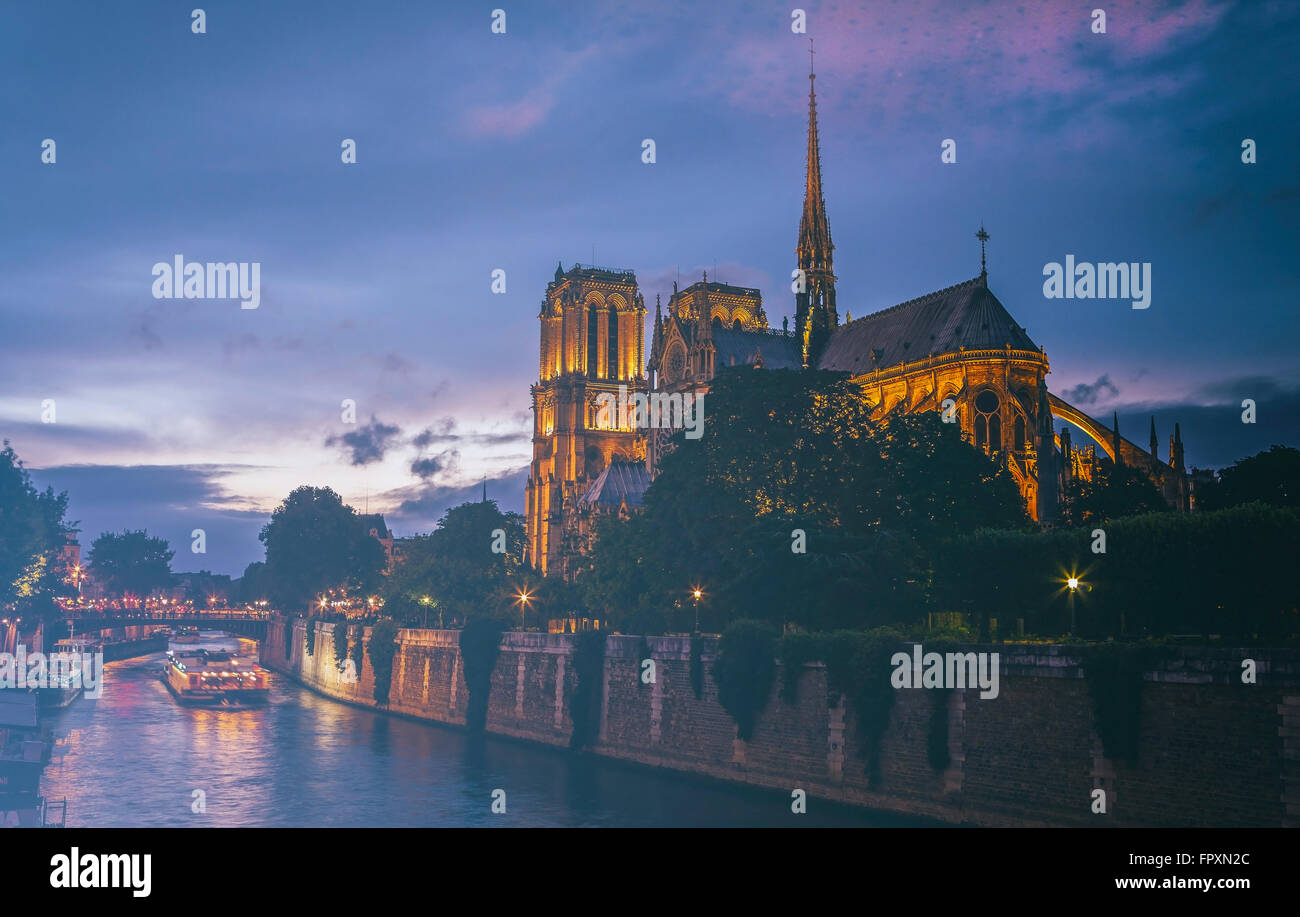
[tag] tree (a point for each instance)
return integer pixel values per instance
(315, 542)
(131, 563)
(253, 585)
(469, 566)
(1271, 477)
(795, 507)
(32, 532)
(1115, 491)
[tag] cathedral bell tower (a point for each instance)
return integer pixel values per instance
(592, 345)
(815, 315)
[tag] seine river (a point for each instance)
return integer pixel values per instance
(134, 757)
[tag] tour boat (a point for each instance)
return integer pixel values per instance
(68, 686)
(213, 678)
(187, 635)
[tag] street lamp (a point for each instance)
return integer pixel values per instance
(523, 608)
(696, 592)
(1073, 583)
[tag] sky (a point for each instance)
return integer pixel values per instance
(478, 151)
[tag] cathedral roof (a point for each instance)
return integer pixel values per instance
(743, 348)
(966, 315)
(621, 481)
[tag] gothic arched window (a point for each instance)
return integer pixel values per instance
(988, 423)
(1020, 431)
(611, 369)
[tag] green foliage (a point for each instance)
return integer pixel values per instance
(480, 643)
(131, 562)
(32, 528)
(1271, 477)
(786, 451)
(382, 649)
(288, 638)
(456, 568)
(744, 672)
(857, 667)
(358, 650)
(589, 664)
(796, 650)
(1227, 572)
(936, 745)
(1114, 675)
(314, 543)
(1116, 491)
(309, 633)
(253, 586)
(697, 666)
(340, 641)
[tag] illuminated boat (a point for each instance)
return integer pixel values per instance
(209, 678)
(187, 635)
(66, 686)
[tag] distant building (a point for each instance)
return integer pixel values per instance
(373, 523)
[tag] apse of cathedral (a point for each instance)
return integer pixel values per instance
(956, 350)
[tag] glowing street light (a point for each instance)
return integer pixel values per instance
(696, 592)
(522, 602)
(1073, 583)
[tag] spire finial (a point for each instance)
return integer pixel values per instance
(983, 237)
(812, 73)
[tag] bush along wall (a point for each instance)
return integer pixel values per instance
(744, 672)
(340, 642)
(589, 664)
(382, 649)
(480, 644)
(359, 650)
(309, 633)
(1114, 675)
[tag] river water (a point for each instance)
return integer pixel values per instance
(134, 757)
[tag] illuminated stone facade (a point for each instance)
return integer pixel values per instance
(956, 350)
(592, 342)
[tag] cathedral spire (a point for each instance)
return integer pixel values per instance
(815, 315)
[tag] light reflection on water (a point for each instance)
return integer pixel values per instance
(134, 757)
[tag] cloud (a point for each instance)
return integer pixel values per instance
(428, 466)
(441, 429)
(169, 501)
(518, 117)
(1213, 433)
(421, 506)
(368, 443)
(1101, 390)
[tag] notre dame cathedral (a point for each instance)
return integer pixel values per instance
(956, 349)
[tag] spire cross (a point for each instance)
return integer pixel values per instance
(983, 237)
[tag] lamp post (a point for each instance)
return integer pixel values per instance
(523, 608)
(1073, 583)
(696, 593)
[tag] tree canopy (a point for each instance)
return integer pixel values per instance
(1271, 477)
(315, 542)
(795, 507)
(131, 562)
(32, 532)
(469, 566)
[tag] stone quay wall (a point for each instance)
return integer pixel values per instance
(1213, 751)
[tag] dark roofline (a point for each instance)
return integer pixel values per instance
(974, 281)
